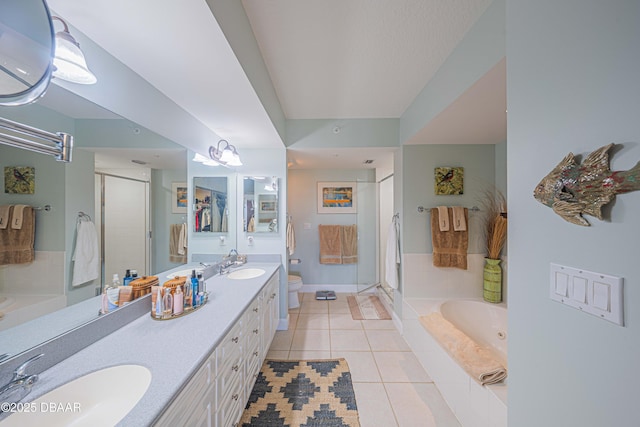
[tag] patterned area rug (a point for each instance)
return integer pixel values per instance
(367, 307)
(302, 393)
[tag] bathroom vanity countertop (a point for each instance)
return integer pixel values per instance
(172, 350)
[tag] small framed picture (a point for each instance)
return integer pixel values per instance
(19, 180)
(179, 199)
(449, 181)
(337, 197)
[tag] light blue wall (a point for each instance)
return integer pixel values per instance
(482, 48)
(327, 133)
(572, 84)
(419, 162)
(302, 207)
(162, 217)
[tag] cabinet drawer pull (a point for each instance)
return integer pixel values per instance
(235, 396)
(273, 296)
(255, 309)
(255, 331)
(235, 368)
(235, 339)
(255, 353)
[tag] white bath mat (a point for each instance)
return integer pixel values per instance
(367, 307)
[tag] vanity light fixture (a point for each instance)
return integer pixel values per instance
(226, 154)
(69, 63)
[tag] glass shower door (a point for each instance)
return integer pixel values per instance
(368, 235)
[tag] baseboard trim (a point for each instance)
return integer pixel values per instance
(336, 288)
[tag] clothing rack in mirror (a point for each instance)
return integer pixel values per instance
(471, 209)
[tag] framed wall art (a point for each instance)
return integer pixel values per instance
(19, 180)
(179, 199)
(449, 180)
(337, 197)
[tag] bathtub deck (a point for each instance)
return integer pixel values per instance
(473, 404)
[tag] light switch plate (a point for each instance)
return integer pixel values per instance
(595, 293)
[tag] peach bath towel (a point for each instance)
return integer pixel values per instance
(449, 247)
(475, 360)
(16, 244)
(330, 244)
(349, 234)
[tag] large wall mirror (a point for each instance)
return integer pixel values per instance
(105, 145)
(210, 201)
(260, 204)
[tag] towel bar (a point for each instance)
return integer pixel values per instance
(472, 209)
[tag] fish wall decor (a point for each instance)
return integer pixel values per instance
(572, 189)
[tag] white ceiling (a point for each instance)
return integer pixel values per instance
(326, 59)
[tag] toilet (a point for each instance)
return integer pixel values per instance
(295, 284)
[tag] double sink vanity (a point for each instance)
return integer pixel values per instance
(196, 370)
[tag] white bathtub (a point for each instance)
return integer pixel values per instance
(485, 323)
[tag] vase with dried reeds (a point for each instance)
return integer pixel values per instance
(495, 222)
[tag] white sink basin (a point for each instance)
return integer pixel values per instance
(246, 273)
(100, 398)
(187, 272)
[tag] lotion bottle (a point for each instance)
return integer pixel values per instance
(178, 301)
(127, 278)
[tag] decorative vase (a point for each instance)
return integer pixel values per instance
(492, 291)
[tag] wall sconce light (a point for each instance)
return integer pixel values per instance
(69, 62)
(226, 155)
(271, 184)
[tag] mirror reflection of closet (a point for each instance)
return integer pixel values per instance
(210, 204)
(260, 204)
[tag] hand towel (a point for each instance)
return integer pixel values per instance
(330, 244)
(459, 221)
(175, 233)
(291, 238)
(251, 227)
(479, 362)
(449, 247)
(182, 240)
(86, 256)
(392, 256)
(16, 245)
(349, 237)
(443, 215)
(18, 217)
(4, 216)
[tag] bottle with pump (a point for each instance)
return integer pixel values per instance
(127, 278)
(194, 288)
(113, 291)
(178, 301)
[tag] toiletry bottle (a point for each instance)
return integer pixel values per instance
(200, 283)
(127, 278)
(134, 274)
(188, 294)
(105, 302)
(113, 292)
(178, 301)
(167, 304)
(159, 305)
(194, 290)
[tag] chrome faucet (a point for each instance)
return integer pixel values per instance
(21, 384)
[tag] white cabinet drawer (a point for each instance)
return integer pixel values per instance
(229, 347)
(230, 374)
(231, 405)
(186, 403)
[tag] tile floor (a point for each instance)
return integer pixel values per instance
(392, 388)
